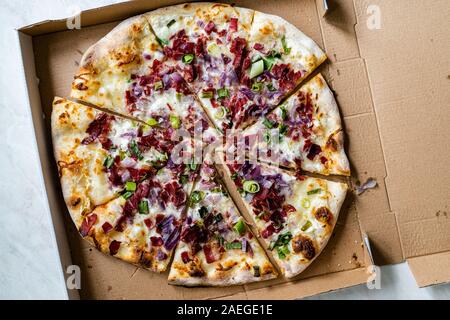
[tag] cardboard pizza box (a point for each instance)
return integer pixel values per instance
(388, 65)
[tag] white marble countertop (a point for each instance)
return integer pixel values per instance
(30, 267)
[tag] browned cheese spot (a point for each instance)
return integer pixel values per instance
(304, 245)
(323, 214)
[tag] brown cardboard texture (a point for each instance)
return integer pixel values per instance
(391, 84)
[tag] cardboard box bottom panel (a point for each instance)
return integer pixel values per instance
(373, 117)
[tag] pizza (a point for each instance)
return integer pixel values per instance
(305, 132)
(217, 247)
(294, 214)
(140, 144)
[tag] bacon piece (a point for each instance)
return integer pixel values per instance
(233, 24)
(121, 223)
(99, 127)
(209, 254)
(258, 46)
(107, 227)
(114, 247)
(314, 150)
(266, 233)
(238, 48)
(210, 27)
(156, 241)
(87, 224)
(149, 223)
(185, 257)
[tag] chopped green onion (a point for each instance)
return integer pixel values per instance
(223, 93)
(143, 207)
(272, 245)
(256, 69)
(221, 240)
(175, 122)
(188, 58)
(267, 138)
(135, 149)
(127, 195)
(306, 226)
(220, 114)
(218, 217)
(158, 85)
(108, 161)
(233, 245)
(282, 129)
(162, 42)
(306, 203)
(256, 58)
(200, 223)
(283, 252)
(271, 87)
(178, 95)
(314, 191)
(196, 197)
(171, 22)
(152, 122)
(286, 49)
(184, 179)
(256, 271)
(193, 166)
(257, 86)
(268, 62)
(203, 211)
(234, 176)
(282, 240)
(267, 123)
(283, 112)
(130, 186)
(216, 189)
(251, 186)
(207, 94)
(122, 154)
(240, 227)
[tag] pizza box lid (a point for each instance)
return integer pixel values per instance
(386, 67)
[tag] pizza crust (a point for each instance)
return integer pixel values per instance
(83, 181)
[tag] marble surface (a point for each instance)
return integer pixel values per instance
(29, 266)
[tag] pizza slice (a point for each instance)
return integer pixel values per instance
(303, 133)
(107, 67)
(100, 155)
(206, 42)
(295, 215)
(125, 72)
(217, 248)
(142, 226)
(279, 58)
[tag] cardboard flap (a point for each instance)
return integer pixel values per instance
(431, 269)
